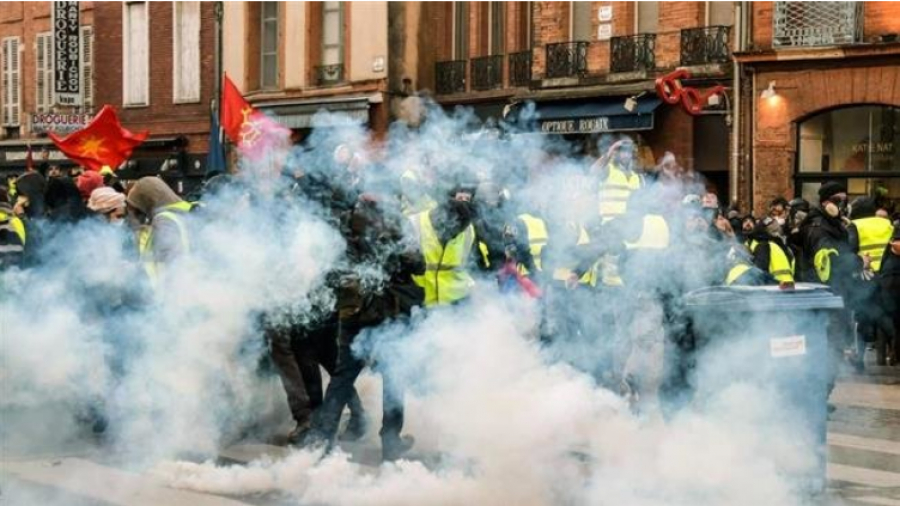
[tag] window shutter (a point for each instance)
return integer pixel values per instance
(5, 91)
(136, 54)
(44, 70)
(87, 65)
(15, 81)
(187, 51)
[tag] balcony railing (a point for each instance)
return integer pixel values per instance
(487, 72)
(450, 77)
(700, 46)
(805, 24)
(329, 74)
(633, 53)
(566, 59)
(520, 68)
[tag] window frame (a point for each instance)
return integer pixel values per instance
(177, 55)
(799, 177)
(459, 44)
(126, 63)
(8, 104)
(263, 85)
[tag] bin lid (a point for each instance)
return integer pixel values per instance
(804, 296)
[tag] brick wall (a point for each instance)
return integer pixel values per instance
(162, 117)
(802, 93)
(26, 20)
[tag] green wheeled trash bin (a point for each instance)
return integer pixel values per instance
(774, 338)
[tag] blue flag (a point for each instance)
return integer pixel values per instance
(215, 160)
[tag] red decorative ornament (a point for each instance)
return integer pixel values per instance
(671, 91)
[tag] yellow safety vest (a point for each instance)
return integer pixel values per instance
(12, 223)
(446, 279)
(537, 237)
(874, 236)
(736, 272)
(145, 236)
(615, 191)
(564, 273)
(16, 223)
(779, 265)
(654, 235)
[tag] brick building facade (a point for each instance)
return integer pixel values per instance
(179, 126)
(26, 26)
(833, 112)
(568, 57)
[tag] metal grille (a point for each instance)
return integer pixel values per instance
(805, 24)
(632, 53)
(520, 68)
(566, 59)
(487, 72)
(450, 77)
(700, 46)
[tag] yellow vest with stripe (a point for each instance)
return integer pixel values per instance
(564, 273)
(779, 265)
(736, 272)
(874, 236)
(536, 230)
(173, 213)
(14, 224)
(446, 279)
(654, 235)
(615, 191)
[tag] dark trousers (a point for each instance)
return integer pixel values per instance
(341, 391)
(297, 354)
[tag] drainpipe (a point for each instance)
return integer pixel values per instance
(736, 100)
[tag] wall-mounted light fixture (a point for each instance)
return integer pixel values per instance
(769, 92)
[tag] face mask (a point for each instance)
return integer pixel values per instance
(780, 221)
(463, 210)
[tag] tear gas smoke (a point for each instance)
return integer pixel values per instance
(507, 418)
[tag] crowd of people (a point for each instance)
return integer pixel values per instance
(610, 279)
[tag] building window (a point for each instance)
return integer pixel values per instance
(859, 145)
(646, 19)
(804, 24)
(87, 65)
(524, 26)
(43, 90)
(580, 22)
(719, 13)
(331, 70)
(186, 46)
(498, 28)
(12, 90)
(269, 38)
(136, 54)
(460, 30)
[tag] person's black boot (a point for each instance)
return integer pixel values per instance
(393, 447)
(356, 428)
(299, 433)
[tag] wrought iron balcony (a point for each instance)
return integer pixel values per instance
(520, 68)
(805, 24)
(487, 72)
(566, 59)
(700, 46)
(450, 77)
(330, 74)
(633, 52)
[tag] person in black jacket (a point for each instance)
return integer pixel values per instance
(888, 280)
(374, 239)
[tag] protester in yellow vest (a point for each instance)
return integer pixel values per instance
(446, 238)
(769, 251)
(869, 234)
(12, 233)
(618, 178)
(160, 216)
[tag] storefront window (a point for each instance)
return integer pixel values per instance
(859, 146)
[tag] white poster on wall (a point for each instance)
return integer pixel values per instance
(605, 13)
(604, 31)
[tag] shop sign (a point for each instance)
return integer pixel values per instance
(21, 156)
(598, 124)
(58, 123)
(66, 53)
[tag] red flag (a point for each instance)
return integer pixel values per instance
(253, 132)
(102, 142)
